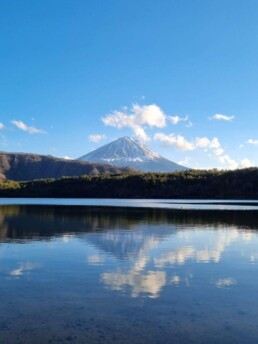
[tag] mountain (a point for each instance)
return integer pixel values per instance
(127, 151)
(23, 166)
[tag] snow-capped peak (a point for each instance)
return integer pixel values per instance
(125, 148)
(128, 151)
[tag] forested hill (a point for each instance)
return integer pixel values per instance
(238, 184)
(24, 166)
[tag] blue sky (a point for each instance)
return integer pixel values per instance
(181, 75)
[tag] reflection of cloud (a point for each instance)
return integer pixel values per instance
(66, 238)
(95, 259)
(248, 235)
(175, 280)
(137, 278)
(193, 246)
(212, 252)
(206, 256)
(140, 264)
(254, 257)
(175, 257)
(150, 283)
(225, 282)
(143, 254)
(24, 267)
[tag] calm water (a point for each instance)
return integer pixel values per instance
(104, 275)
(139, 203)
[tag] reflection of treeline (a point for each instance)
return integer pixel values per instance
(238, 184)
(33, 221)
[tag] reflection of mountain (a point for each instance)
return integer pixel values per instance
(148, 245)
(34, 222)
(129, 244)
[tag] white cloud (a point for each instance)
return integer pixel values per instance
(177, 141)
(96, 138)
(205, 143)
(220, 117)
(140, 118)
(218, 151)
(67, 158)
(176, 119)
(212, 146)
(226, 160)
(252, 142)
(233, 164)
(1, 126)
(185, 162)
(245, 163)
(137, 118)
(29, 129)
(180, 143)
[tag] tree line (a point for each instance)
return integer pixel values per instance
(195, 184)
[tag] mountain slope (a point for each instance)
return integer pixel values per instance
(127, 151)
(22, 167)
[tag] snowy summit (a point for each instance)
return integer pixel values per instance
(128, 151)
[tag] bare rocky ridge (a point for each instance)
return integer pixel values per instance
(127, 151)
(25, 166)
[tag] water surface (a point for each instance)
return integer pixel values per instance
(139, 203)
(127, 275)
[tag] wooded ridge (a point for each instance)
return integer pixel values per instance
(195, 184)
(26, 166)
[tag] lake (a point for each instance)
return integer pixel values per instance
(121, 271)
